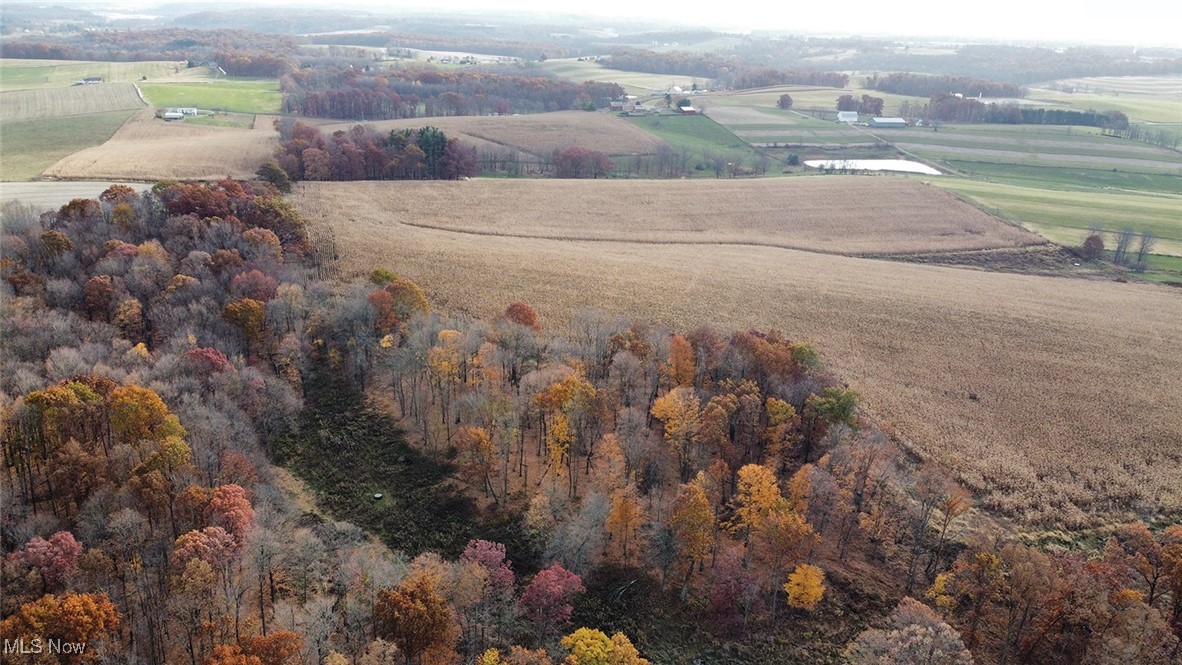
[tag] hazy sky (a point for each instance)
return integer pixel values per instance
(1148, 23)
(1157, 22)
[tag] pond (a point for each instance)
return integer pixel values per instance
(903, 165)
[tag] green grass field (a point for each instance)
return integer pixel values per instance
(697, 134)
(1065, 217)
(32, 74)
(31, 146)
(238, 95)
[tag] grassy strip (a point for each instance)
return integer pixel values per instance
(239, 95)
(31, 146)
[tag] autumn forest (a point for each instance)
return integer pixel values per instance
(222, 443)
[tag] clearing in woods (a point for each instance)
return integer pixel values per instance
(147, 148)
(1019, 384)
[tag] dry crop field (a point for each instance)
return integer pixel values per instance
(74, 100)
(538, 134)
(858, 216)
(146, 148)
(1054, 399)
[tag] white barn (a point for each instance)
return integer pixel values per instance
(888, 122)
(847, 116)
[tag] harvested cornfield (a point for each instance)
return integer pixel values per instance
(1053, 399)
(858, 216)
(147, 148)
(538, 134)
(74, 100)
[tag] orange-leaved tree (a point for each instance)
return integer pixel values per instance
(413, 616)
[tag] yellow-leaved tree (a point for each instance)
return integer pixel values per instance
(805, 587)
(681, 412)
(588, 646)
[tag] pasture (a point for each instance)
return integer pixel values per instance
(1020, 385)
(146, 148)
(537, 134)
(31, 146)
(238, 95)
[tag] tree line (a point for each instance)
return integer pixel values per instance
(926, 85)
(950, 108)
(363, 153)
(158, 44)
(725, 71)
(408, 92)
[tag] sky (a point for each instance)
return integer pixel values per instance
(1151, 23)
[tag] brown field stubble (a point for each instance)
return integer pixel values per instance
(147, 148)
(538, 134)
(1055, 400)
(859, 216)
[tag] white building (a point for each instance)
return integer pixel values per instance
(847, 116)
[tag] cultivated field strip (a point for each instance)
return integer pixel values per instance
(74, 100)
(1128, 85)
(1043, 156)
(538, 134)
(1054, 399)
(859, 216)
(741, 115)
(146, 148)
(1086, 143)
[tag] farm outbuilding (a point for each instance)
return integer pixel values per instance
(173, 115)
(847, 116)
(883, 123)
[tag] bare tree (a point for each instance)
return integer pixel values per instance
(1123, 240)
(1145, 247)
